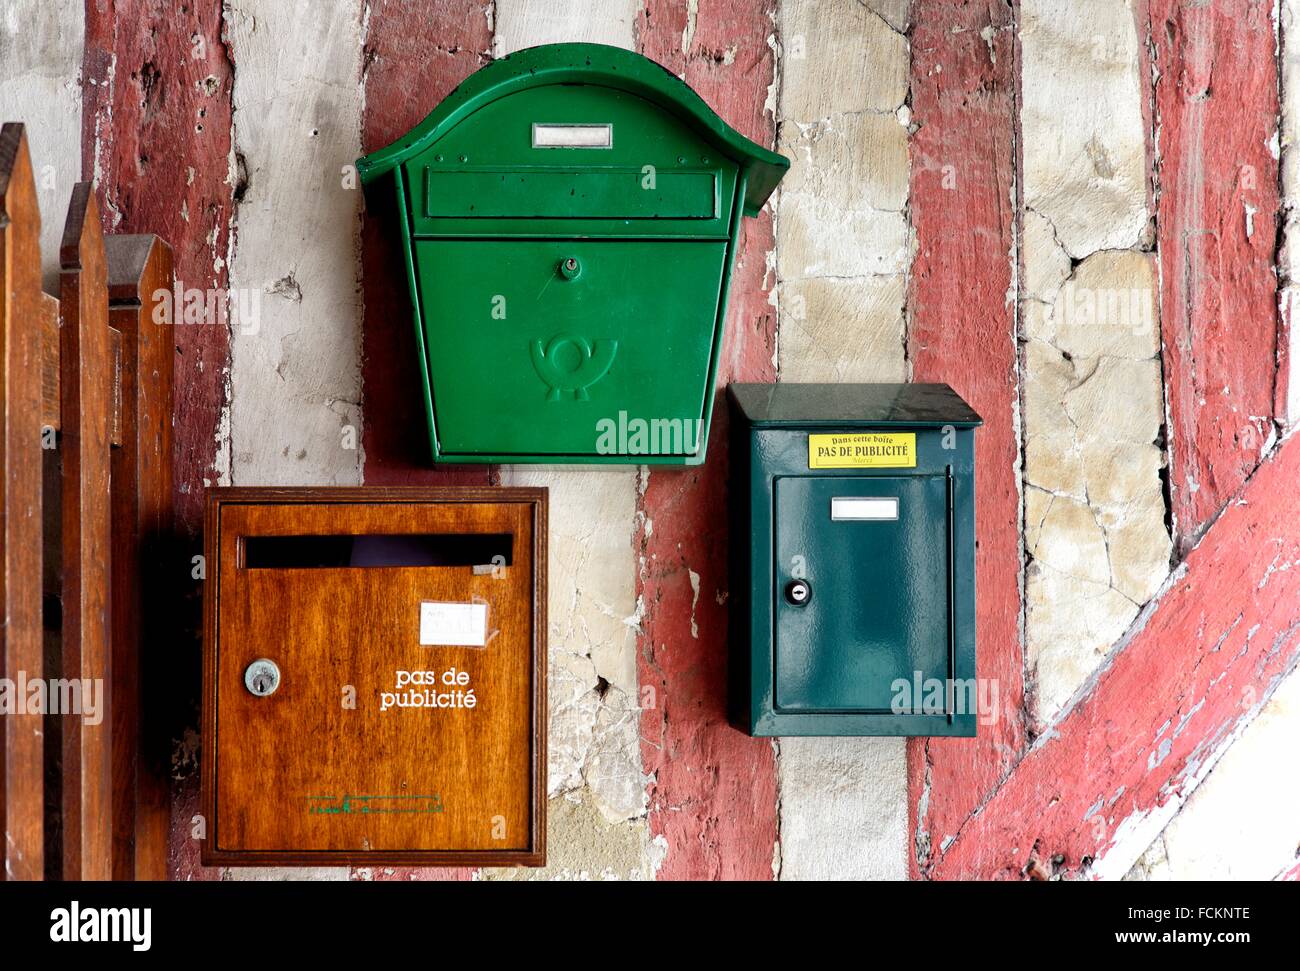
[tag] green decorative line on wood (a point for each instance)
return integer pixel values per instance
(350, 805)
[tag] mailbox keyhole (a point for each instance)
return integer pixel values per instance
(798, 592)
(262, 677)
(570, 268)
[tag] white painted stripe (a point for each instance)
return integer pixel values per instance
(531, 23)
(1092, 391)
(843, 808)
(295, 382)
(41, 51)
(843, 251)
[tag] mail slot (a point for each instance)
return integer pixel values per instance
(568, 218)
(373, 677)
(853, 584)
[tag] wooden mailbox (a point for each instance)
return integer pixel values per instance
(374, 676)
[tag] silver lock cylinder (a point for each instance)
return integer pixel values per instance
(262, 677)
(798, 592)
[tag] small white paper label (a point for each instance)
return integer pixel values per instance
(861, 508)
(445, 624)
(573, 136)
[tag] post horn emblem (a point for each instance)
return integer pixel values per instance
(569, 373)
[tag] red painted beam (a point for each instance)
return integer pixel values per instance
(1199, 663)
(415, 54)
(1216, 112)
(962, 330)
(713, 789)
(156, 138)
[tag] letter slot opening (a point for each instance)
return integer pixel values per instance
(864, 509)
(479, 550)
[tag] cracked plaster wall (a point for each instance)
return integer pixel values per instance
(1095, 535)
(295, 377)
(844, 245)
(843, 239)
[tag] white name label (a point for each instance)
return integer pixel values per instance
(857, 508)
(573, 136)
(445, 624)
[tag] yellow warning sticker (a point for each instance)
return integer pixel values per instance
(871, 450)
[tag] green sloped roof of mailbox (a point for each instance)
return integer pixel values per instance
(806, 405)
(586, 64)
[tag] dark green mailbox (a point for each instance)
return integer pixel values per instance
(569, 217)
(853, 552)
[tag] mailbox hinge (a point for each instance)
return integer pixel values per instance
(952, 603)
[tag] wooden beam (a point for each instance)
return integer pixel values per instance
(713, 798)
(1197, 665)
(86, 400)
(177, 115)
(140, 268)
(1217, 229)
(22, 792)
(963, 331)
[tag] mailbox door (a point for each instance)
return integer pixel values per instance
(532, 354)
(875, 553)
(369, 747)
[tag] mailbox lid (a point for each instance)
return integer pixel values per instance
(526, 361)
(875, 553)
(593, 66)
(493, 174)
(851, 405)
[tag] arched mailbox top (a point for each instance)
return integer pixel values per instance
(595, 65)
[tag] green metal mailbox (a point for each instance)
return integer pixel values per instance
(853, 553)
(569, 218)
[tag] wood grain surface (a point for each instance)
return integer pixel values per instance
(139, 268)
(323, 770)
(86, 394)
(21, 302)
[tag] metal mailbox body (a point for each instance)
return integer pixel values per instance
(346, 630)
(569, 217)
(853, 557)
